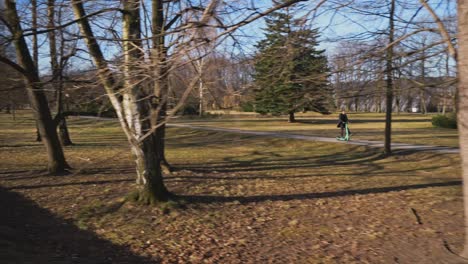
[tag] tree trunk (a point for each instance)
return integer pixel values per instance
(38, 100)
(63, 132)
(133, 108)
(378, 108)
(57, 78)
(389, 73)
(292, 118)
(200, 87)
(463, 106)
(444, 106)
(398, 94)
(38, 135)
(137, 108)
(409, 103)
(161, 85)
(398, 89)
(422, 101)
(150, 179)
(35, 49)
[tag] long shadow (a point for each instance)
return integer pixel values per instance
(13, 172)
(233, 164)
(29, 187)
(30, 234)
(20, 145)
(308, 196)
(108, 143)
(23, 174)
(209, 138)
(106, 170)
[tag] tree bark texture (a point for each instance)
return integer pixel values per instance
(463, 106)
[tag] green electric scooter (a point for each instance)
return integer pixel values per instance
(347, 136)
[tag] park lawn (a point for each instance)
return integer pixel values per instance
(407, 128)
(246, 199)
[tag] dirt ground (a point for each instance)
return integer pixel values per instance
(245, 199)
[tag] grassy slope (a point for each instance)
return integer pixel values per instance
(249, 199)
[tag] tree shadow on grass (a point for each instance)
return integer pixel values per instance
(80, 183)
(308, 196)
(275, 161)
(31, 234)
(24, 174)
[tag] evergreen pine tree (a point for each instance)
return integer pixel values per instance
(290, 73)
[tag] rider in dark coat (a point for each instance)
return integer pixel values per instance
(342, 124)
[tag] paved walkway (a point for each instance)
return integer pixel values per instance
(373, 144)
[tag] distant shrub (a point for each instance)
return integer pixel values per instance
(247, 107)
(189, 110)
(445, 121)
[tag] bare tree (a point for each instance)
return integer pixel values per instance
(141, 99)
(37, 98)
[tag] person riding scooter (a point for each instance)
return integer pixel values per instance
(343, 120)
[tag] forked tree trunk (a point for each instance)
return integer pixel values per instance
(134, 107)
(138, 112)
(463, 106)
(389, 73)
(37, 98)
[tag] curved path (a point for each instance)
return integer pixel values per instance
(373, 144)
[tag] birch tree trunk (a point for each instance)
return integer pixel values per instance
(37, 98)
(133, 104)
